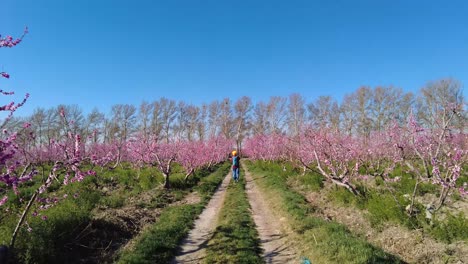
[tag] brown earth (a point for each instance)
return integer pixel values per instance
(193, 246)
(112, 229)
(273, 237)
(410, 245)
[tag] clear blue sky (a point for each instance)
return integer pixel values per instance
(96, 53)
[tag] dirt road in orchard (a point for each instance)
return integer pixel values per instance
(276, 247)
(193, 247)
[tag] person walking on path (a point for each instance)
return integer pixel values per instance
(235, 166)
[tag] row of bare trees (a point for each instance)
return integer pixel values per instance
(359, 113)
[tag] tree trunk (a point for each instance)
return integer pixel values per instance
(167, 184)
(347, 185)
(23, 217)
(188, 175)
(413, 198)
(3, 254)
(443, 195)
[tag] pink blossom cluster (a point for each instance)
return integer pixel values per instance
(435, 156)
(12, 171)
(267, 147)
(10, 42)
(102, 154)
(192, 155)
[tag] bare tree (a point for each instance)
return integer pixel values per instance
(296, 114)
(363, 103)
(259, 118)
(225, 118)
(144, 118)
(156, 125)
(122, 124)
(53, 125)
(95, 125)
(187, 121)
(38, 123)
(405, 107)
(384, 106)
(242, 109)
(437, 101)
(75, 117)
(348, 114)
(214, 118)
(202, 122)
(193, 115)
(277, 114)
(168, 114)
(324, 113)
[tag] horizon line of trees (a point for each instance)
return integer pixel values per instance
(364, 111)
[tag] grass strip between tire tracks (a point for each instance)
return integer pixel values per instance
(235, 239)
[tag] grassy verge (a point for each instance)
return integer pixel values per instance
(64, 233)
(382, 207)
(159, 243)
(319, 240)
(235, 239)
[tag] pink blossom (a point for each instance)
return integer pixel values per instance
(3, 200)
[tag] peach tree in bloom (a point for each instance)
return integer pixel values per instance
(432, 155)
(335, 155)
(192, 155)
(10, 166)
(18, 160)
(150, 151)
(217, 150)
(267, 147)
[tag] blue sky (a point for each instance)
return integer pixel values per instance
(96, 53)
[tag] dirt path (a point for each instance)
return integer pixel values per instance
(276, 248)
(193, 247)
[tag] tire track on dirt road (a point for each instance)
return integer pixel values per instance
(274, 242)
(193, 246)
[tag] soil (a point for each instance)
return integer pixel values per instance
(193, 247)
(410, 245)
(274, 240)
(113, 229)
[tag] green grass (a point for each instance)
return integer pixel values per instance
(159, 243)
(235, 239)
(52, 240)
(309, 182)
(382, 207)
(47, 241)
(321, 241)
(452, 229)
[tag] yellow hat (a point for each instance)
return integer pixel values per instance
(234, 152)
